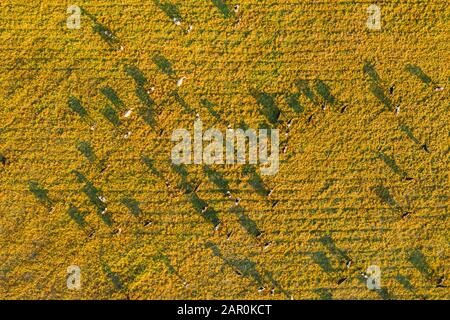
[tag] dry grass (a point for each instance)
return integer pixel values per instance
(356, 182)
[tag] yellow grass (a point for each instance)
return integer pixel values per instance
(348, 176)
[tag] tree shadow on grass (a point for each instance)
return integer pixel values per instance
(378, 92)
(182, 102)
(169, 9)
(163, 64)
(385, 196)
(268, 105)
(303, 87)
(246, 222)
(369, 69)
(137, 75)
(255, 181)
(292, 101)
(210, 106)
(418, 260)
(94, 196)
(150, 163)
(201, 206)
(75, 105)
(223, 8)
(324, 294)
(409, 133)
(86, 150)
(375, 85)
(111, 115)
(329, 243)
(243, 267)
(146, 112)
(103, 31)
(325, 92)
(77, 216)
(170, 267)
(132, 205)
(40, 193)
(184, 184)
(390, 162)
(419, 73)
(323, 261)
(112, 96)
(217, 178)
(112, 276)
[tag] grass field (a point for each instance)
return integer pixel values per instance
(364, 130)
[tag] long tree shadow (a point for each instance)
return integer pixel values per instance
(223, 8)
(182, 102)
(382, 292)
(163, 64)
(378, 92)
(137, 75)
(275, 284)
(385, 196)
(405, 282)
(111, 115)
(104, 32)
(418, 260)
(303, 87)
(268, 105)
(411, 136)
(169, 9)
(323, 261)
(243, 267)
(325, 92)
(201, 206)
(94, 196)
(255, 181)
(375, 85)
(418, 72)
(409, 133)
(112, 96)
(75, 105)
(132, 205)
(150, 163)
(339, 254)
(246, 222)
(324, 294)
(170, 267)
(390, 162)
(3, 159)
(40, 193)
(144, 97)
(77, 216)
(86, 150)
(248, 269)
(112, 276)
(146, 112)
(217, 178)
(292, 101)
(369, 69)
(184, 184)
(208, 213)
(210, 106)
